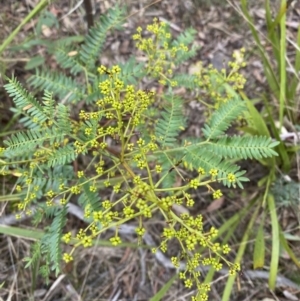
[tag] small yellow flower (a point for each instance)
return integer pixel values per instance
(50, 193)
(201, 171)
(231, 178)
(217, 194)
(188, 283)
(67, 257)
(80, 174)
(102, 69)
(115, 240)
(194, 183)
(213, 172)
(67, 237)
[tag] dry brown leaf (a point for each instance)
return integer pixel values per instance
(215, 205)
(179, 209)
(46, 31)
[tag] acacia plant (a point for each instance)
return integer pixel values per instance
(126, 140)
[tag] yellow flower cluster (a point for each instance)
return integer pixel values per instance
(212, 81)
(159, 51)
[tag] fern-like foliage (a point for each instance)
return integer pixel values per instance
(185, 38)
(197, 156)
(25, 102)
(222, 118)
(253, 147)
(48, 104)
(68, 58)
(62, 156)
(45, 178)
(171, 122)
(27, 141)
(186, 80)
(35, 254)
(94, 42)
(52, 240)
(61, 85)
(168, 163)
(62, 114)
(132, 71)
(89, 200)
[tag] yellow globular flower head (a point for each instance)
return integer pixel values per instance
(194, 183)
(49, 203)
(93, 188)
(106, 204)
(50, 194)
(80, 174)
(153, 250)
(116, 69)
(115, 240)
(75, 189)
(88, 131)
(234, 269)
(231, 178)
(128, 212)
(175, 262)
(63, 201)
(97, 216)
(217, 194)
(21, 206)
(140, 231)
(130, 146)
(105, 87)
(67, 237)
(81, 234)
(67, 257)
(137, 180)
(117, 188)
(87, 241)
(83, 115)
(225, 249)
(188, 283)
(190, 203)
(102, 69)
(213, 172)
(213, 232)
(158, 168)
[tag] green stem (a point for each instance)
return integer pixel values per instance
(31, 15)
(282, 97)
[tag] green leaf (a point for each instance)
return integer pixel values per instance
(171, 121)
(35, 62)
(259, 248)
(275, 242)
(31, 234)
(161, 293)
(257, 120)
(95, 40)
(285, 245)
(48, 19)
(231, 279)
(221, 119)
